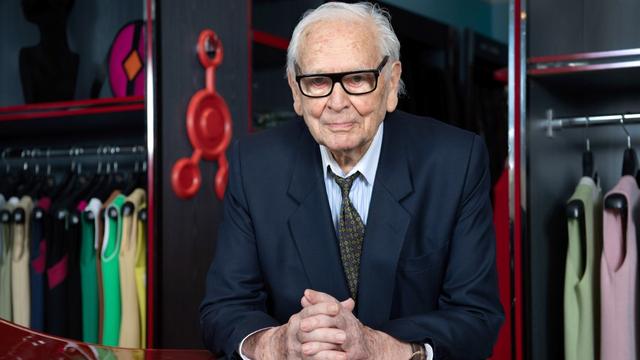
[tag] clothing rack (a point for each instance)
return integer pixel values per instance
(76, 151)
(551, 124)
(108, 155)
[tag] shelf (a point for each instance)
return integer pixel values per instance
(584, 62)
(72, 108)
(270, 40)
(590, 56)
(596, 71)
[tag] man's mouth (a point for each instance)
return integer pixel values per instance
(340, 126)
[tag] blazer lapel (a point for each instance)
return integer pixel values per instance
(310, 224)
(385, 231)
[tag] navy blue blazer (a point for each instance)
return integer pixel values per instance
(427, 271)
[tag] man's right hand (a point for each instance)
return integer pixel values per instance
(285, 341)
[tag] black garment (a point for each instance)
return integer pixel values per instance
(57, 267)
(64, 293)
(39, 233)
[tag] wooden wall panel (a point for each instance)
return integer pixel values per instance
(187, 229)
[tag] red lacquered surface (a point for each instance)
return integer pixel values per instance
(17, 342)
(585, 56)
(584, 62)
(72, 108)
(503, 348)
(270, 40)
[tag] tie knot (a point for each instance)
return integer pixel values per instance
(345, 183)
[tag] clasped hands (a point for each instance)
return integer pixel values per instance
(325, 328)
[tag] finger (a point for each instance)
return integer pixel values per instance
(305, 302)
(348, 304)
(314, 347)
(323, 308)
(317, 321)
(316, 297)
(328, 335)
(329, 355)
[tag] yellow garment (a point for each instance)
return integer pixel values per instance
(141, 276)
(5, 259)
(20, 284)
(130, 325)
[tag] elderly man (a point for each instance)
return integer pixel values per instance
(362, 232)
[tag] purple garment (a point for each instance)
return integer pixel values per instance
(618, 277)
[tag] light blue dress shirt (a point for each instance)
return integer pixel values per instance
(361, 190)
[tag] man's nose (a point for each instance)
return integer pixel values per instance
(338, 99)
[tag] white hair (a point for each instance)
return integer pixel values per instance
(387, 41)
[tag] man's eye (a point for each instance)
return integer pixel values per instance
(356, 80)
(318, 81)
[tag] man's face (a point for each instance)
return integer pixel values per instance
(343, 122)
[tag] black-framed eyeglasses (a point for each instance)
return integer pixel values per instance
(357, 82)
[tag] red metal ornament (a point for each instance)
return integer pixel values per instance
(208, 126)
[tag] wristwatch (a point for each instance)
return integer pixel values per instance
(418, 352)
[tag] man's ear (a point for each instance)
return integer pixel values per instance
(295, 92)
(394, 83)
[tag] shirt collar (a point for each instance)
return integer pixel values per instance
(367, 165)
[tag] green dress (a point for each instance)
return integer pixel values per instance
(582, 271)
(89, 272)
(111, 272)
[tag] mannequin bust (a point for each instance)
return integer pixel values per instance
(49, 70)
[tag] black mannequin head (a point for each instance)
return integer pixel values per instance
(42, 12)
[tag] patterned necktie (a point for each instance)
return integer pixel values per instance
(350, 234)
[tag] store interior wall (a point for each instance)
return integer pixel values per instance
(488, 17)
(24, 34)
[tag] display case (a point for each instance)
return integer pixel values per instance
(76, 122)
(575, 89)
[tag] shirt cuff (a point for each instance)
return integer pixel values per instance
(429, 350)
(246, 337)
(427, 347)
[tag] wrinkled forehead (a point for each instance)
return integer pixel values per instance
(338, 45)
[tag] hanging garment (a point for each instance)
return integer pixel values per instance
(74, 282)
(39, 232)
(582, 270)
(103, 231)
(111, 272)
(141, 273)
(88, 271)
(57, 295)
(130, 325)
(6, 209)
(20, 288)
(618, 269)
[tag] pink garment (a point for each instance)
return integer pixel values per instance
(618, 278)
(81, 205)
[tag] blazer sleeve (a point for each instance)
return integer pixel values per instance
(469, 314)
(234, 305)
